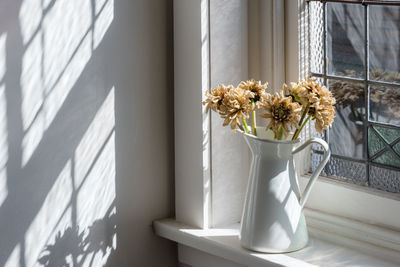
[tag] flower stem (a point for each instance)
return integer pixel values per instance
(301, 128)
(297, 132)
(245, 126)
(254, 124)
(280, 133)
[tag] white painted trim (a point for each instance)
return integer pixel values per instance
(291, 44)
(196, 258)
(278, 44)
(192, 125)
(270, 33)
(224, 243)
(370, 239)
(354, 202)
(229, 65)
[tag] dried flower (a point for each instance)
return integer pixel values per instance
(256, 88)
(378, 95)
(316, 100)
(323, 116)
(216, 96)
(385, 75)
(235, 106)
(346, 93)
(391, 99)
(281, 112)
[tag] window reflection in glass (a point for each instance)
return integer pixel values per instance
(345, 39)
(346, 137)
(384, 43)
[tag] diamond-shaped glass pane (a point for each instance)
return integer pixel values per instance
(385, 179)
(346, 138)
(375, 144)
(388, 158)
(345, 39)
(316, 37)
(396, 148)
(388, 134)
(384, 43)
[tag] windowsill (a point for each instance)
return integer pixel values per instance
(354, 202)
(224, 243)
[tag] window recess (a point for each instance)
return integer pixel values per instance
(355, 51)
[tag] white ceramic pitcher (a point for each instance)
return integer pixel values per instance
(273, 220)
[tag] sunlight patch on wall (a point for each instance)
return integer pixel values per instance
(3, 185)
(59, 46)
(32, 99)
(13, 259)
(54, 215)
(94, 200)
(75, 222)
(3, 146)
(31, 83)
(105, 15)
(98, 190)
(65, 27)
(56, 97)
(30, 15)
(94, 139)
(3, 38)
(3, 123)
(97, 180)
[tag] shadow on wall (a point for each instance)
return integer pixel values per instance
(57, 151)
(73, 246)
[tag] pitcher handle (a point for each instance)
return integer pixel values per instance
(314, 176)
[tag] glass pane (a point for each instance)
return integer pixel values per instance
(316, 37)
(317, 147)
(388, 134)
(346, 169)
(345, 39)
(385, 179)
(384, 32)
(346, 137)
(396, 148)
(385, 104)
(388, 158)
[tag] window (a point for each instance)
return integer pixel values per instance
(207, 195)
(355, 52)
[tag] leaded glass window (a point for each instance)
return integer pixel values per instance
(355, 52)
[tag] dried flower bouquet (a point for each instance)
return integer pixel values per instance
(287, 111)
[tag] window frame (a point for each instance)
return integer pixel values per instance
(192, 150)
(368, 123)
(330, 195)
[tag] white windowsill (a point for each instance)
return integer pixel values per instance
(224, 243)
(354, 202)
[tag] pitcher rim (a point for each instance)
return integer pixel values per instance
(272, 141)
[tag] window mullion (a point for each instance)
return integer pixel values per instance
(325, 40)
(366, 86)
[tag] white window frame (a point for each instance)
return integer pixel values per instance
(192, 125)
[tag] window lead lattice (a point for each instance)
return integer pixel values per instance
(374, 126)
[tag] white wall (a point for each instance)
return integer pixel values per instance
(86, 132)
